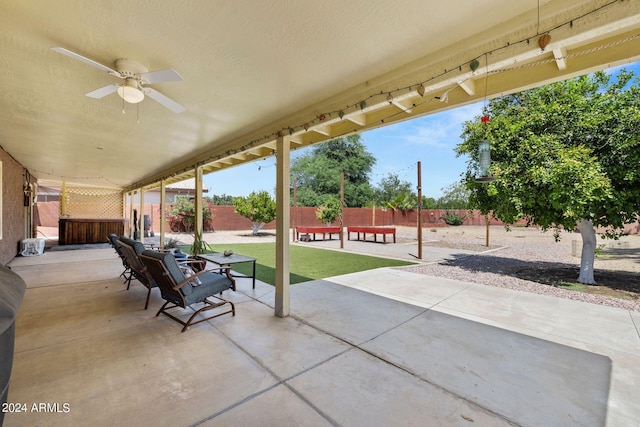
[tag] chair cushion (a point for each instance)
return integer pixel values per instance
(113, 238)
(212, 283)
(172, 267)
(135, 244)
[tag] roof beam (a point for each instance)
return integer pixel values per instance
(404, 105)
(358, 118)
(560, 55)
(468, 86)
(322, 130)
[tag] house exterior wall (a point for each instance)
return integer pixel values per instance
(13, 210)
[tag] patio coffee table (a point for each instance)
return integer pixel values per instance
(228, 261)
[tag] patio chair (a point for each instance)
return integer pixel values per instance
(131, 250)
(115, 244)
(181, 291)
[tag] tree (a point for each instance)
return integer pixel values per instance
(223, 199)
(317, 173)
(564, 156)
(456, 196)
(259, 207)
(402, 202)
(390, 188)
(329, 211)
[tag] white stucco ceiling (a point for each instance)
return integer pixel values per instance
(254, 68)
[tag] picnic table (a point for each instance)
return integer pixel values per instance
(372, 230)
(309, 231)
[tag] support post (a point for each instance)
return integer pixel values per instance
(282, 298)
(341, 210)
(163, 216)
(141, 217)
(419, 210)
(486, 220)
(198, 224)
(63, 200)
(295, 211)
(373, 215)
(131, 224)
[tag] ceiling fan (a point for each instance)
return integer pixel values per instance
(135, 77)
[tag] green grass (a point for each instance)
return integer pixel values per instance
(571, 286)
(305, 263)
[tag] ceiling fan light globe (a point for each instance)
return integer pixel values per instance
(132, 95)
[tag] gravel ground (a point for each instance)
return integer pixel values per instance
(522, 248)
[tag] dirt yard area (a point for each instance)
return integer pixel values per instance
(528, 259)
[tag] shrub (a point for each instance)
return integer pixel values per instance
(453, 218)
(329, 211)
(181, 215)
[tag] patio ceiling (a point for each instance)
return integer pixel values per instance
(310, 71)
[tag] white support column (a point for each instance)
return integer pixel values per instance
(282, 227)
(141, 216)
(131, 200)
(163, 203)
(124, 205)
(63, 200)
(198, 223)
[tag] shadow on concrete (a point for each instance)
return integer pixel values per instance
(526, 380)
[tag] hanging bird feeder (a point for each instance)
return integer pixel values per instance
(484, 158)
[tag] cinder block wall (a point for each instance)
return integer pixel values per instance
(225, 218)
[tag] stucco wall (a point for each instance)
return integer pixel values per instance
(12, 207)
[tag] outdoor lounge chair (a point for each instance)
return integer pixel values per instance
(181, 291)
(131, 250)
(115, 243)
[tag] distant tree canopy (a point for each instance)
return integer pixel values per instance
(218, 200)
(317, 173)
(391, 189)
(258, 207)
(455, 196)
(563, 155)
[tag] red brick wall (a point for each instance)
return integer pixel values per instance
(225, 218)
(48, 213)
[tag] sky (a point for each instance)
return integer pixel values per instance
(397, 148)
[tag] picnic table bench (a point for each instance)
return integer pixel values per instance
(309, 231)
(372, 230)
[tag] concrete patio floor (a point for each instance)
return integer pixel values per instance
(376, 348)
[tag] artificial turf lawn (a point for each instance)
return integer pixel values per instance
(305, 263)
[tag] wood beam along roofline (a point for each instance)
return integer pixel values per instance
(622, 16)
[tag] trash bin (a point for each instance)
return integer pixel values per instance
(12, 289)
(147, 225)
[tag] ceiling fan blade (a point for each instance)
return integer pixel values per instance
(160, 76)
(86, 61)
(103, 91)
(164, 100)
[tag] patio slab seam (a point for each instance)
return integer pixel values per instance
(352, 346)
(235, 405)
(279, 381)
(634, 324)
(390, 363)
